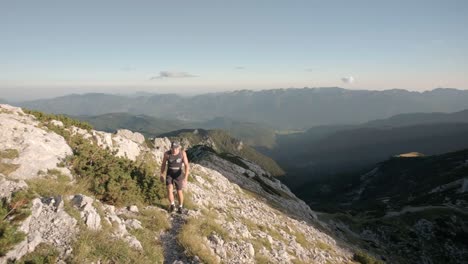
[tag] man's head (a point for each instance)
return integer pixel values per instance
(175, 145)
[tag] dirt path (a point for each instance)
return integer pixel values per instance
(173, 252)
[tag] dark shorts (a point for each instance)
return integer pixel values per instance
(175, 177)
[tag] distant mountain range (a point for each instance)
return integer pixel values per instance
(420, 119)
(322, 152)
(281, 108)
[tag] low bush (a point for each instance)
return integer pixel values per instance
(12, 212)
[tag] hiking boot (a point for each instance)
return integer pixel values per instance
(180, 210)
(171, 208)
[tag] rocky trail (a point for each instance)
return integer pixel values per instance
(174, 253)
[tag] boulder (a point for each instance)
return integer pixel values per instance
(88, 213)
(133, 136)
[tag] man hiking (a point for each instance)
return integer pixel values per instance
(174, 158)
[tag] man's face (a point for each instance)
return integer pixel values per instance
(175, 150)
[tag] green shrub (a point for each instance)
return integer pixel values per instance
(67, 121)
(43, 254)
(11, 213)
(114, 180)
(9, 237)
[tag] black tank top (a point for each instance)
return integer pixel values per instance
(174, 162)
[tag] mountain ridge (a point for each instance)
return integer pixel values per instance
(405, 202)
(279, 108)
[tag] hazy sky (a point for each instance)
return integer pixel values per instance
(50, 48)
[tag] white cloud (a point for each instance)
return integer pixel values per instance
(349, 79)
(172, 74)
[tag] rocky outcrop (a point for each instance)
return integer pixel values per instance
(48, 223)
(160, 146)
(7, 187)
(124, 142)
(39, 150)
(133, 136)
(254, 228)
(112, 216)
(88, 213)
(252, 177)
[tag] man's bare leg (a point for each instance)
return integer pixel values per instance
(170, 194)
(180, 196)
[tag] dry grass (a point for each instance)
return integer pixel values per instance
(192, 233)
(152, 247)
(302, 240)
(261, 259)
(324, 246)
(188, 201)
(92, 246)
(7, 168)
(9, 154)
(272, 231)
(55, 183)
(5, 111)
(154, 220)
(298, 261)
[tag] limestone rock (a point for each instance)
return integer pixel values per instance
(88, 213)
(133, 209)
(121, 232)
(133, 224)
(7, 187)
(39, 149)
(161, 145)
(126, 147)
(133, 136)
(48, 223)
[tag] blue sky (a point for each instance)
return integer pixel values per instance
(50, 48)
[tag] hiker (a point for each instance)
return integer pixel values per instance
(174, 158)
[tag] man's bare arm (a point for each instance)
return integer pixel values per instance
(163, 165)
(186, 164)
